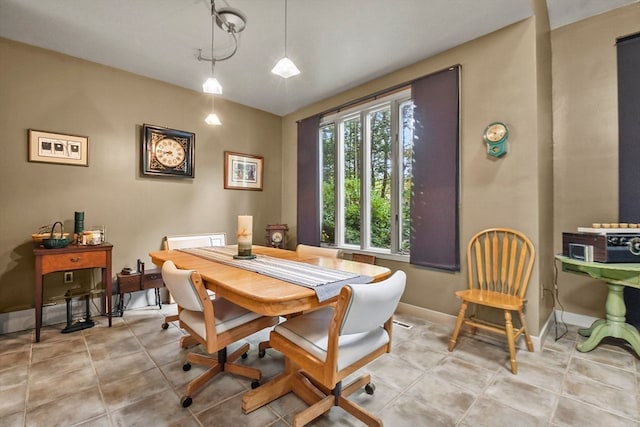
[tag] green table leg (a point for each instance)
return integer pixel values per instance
(613, 326)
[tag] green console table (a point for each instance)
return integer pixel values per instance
(617, 276)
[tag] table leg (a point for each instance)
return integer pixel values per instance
(613, 326)
(106, 279)
(38, 301)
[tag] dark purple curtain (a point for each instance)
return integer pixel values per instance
(629, 150)
(309, 181)
(629, 128)
(434, 200)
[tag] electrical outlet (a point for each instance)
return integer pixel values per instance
(68, 277)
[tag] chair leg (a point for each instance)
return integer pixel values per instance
(456, 330)
(523, 326)
(360, 413)
(188, 341)
(238, 369)
(197, 383)
(262, 348)
(312, 412)
(510, 341)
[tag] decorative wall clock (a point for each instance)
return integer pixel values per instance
(167, 152)
(495, 136)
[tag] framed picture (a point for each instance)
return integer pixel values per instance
(167, 152)
(242, 171)
(49, 147)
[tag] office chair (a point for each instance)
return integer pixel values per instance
(499, 265)
(330, 344)
(213, 323)
(191, 241)
(304, 251)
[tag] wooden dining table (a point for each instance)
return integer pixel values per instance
(267, 296)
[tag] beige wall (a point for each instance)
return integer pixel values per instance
(585, 117)
(498, 82)
(505, 76)
(47, 91)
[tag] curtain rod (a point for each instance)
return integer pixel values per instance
(379, 93)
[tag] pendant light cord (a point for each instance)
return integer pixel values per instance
(285, 27)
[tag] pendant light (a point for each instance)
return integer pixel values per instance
(231, 21)
(285, 68)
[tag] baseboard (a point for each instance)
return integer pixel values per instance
(579, 320)
(538, 341)
(54, 314)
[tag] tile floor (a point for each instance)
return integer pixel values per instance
(131, 375)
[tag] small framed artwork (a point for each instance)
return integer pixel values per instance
(49, 147)
(242, 171)
(167, 152)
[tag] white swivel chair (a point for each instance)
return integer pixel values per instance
(184, 241)
(330, 344)
(306, 251)
(213, 323)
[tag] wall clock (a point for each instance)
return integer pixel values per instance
(495, 136)
(167, 152)
(277, 235)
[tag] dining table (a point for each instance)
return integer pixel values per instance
(269, 296)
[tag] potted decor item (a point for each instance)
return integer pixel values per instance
(56, 242)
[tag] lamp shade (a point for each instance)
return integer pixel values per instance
(212, 119)
(285, 68)
(212, 85)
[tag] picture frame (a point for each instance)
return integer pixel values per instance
(167, 152)
(243, 171)
(50, 147)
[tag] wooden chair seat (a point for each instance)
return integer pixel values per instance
(491, 299)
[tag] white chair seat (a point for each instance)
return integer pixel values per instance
(310, 332)
(227, 314)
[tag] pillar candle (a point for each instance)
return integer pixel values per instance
(245, 234)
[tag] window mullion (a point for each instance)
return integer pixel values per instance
(396, 167)
(339, 186)
(365, 182)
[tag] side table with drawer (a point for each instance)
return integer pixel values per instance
(139, 281)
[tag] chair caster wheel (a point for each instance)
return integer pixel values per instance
(186, 366)
(244, 356)
(186, 401)
(262, 353)
(255, 384)
(369, 388)
(165, 325)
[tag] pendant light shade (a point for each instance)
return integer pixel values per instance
(212, 85)
(285, 68)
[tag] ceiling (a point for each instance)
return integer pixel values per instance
(337, 44)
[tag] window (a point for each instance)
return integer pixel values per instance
(366, 160)
(384, 177)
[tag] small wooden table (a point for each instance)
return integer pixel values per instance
(73, 257)
(267, 296)
(617, 276)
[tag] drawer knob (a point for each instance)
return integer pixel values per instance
(77, 259)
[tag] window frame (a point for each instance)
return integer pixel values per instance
(394, 101)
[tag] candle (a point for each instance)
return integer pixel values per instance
(245, 234)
